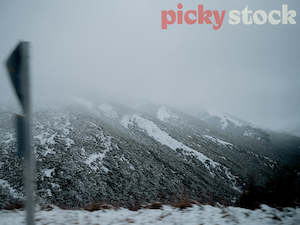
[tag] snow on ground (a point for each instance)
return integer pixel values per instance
(205, 215)
(218, 141)
(163, 114)
(108, 111)
(14, 193)
(162, 137)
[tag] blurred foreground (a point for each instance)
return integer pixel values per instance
(155, 214)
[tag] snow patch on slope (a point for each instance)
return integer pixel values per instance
(218, 141)
(95, 160)
(225, 119)
(8, 138)
(92, 158)
(14, 193)
(69, 142)
(162, 137)
(45, 138)
(48, 172)
(127, 161)
(126, 121)
(233, 179)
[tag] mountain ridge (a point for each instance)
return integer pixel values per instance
(109, 152)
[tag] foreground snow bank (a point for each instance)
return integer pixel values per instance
(167, 215)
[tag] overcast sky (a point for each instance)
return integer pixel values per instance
(92, 47)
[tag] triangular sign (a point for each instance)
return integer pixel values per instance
(15, 67)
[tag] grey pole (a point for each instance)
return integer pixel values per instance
(29, 161)
(19, 69)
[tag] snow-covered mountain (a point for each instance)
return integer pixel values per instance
(100, 151)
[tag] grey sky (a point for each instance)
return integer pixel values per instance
(117, 47)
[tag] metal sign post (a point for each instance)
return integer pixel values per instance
(18, 69)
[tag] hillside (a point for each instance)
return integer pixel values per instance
(107, 152)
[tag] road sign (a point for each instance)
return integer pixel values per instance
(18, 70)
(15, 66)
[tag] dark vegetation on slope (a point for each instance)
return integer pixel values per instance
(283, 190)
(137, 169)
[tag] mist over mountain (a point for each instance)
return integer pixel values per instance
(91, 48)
